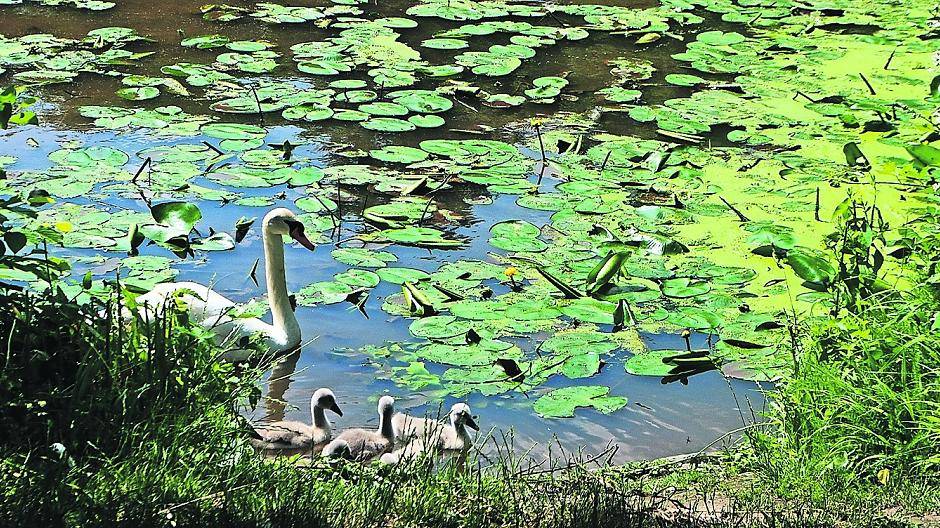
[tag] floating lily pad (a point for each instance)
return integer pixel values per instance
(516, 235)
(399, 154)
(388, 124)
(141, 93)
(684, 287)
(363, 257)
(445, 44)
(651, 363)
(402, 275)
(561, 403)
(426, 121)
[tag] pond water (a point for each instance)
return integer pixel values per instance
(658, 420)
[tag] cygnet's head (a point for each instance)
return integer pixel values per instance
(284, 222)
(386, 405)
(324, 399)
(337, 449)
(460, 415)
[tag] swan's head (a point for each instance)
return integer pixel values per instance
(460, 415)
(283, 222)
(386, 406)
(337, 449)
(324, 399)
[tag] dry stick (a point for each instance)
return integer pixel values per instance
(734, 210)
(890, 57)
(562, 23)
(258, 102)
(538, 132)
(801, 94)
(570, 465)
(143, 166)
(328, 210)
(868, 84)
(339, 208)
(428, 205)
(465, 104)
(425, 212)
(606, 159)
(213, 147)
(817, 206)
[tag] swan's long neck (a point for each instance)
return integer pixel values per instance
(319, 419)
(459, 427)
(284, 320)
(385, 424)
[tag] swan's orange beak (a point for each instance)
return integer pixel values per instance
(296, 231)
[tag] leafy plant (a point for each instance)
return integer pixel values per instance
(175, 230)
(14, 108)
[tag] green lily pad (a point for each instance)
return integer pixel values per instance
(402, 275)
(516, 235)
(141, 93)
(561, 403)
(651, 363)
(388, 124)
(362, 257)
(684, 287)
(419, 236)
(426, 121)
(445, 44)
(399, 154)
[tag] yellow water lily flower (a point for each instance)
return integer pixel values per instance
(511, 272)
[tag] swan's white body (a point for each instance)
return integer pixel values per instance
(426, 436)
(287, 434)
(364, 444)
(211, 309)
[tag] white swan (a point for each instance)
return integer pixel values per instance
(288, 434)
(364, 444)
(211, 309)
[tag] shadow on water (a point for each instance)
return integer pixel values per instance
(659, 419)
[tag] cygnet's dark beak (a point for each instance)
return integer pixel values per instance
(471, 423)
(335, 408)
(296, 231)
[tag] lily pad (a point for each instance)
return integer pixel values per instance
(561, 403)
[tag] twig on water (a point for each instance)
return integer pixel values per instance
(890, 58)
(328, 210)
(143, 166)
(803, 95)
(213, 147)
(606, 159)
(537, 123)
(465, 104)
(816, 215)
(258, 102)
(431, 192)
(734, 210)
(868, 84)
